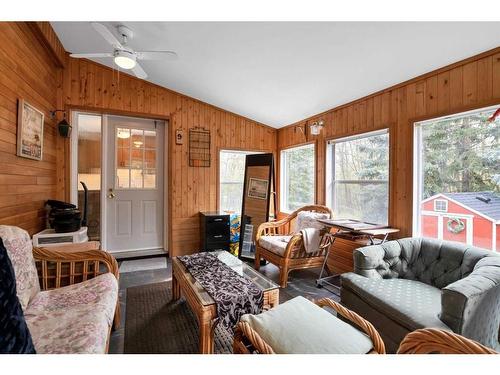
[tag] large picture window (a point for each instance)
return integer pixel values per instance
(297, 177)
(358, 177)
(457, 179)
(231, 178)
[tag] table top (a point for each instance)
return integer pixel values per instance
(242, 269)
(369, 229)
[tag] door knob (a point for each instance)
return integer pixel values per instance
(111, 194)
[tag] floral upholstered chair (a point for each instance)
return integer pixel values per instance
(69, 294)
(281, 242)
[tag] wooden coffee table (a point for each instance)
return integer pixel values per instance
(204, 306)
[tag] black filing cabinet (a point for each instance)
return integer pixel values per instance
(215, 230)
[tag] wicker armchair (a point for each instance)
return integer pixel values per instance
(70, 264)
(294, 257)
(248, 341)
(432, 340)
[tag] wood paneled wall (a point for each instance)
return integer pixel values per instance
(27, 70)
(91, 86)
(466, 85)
(34, 66)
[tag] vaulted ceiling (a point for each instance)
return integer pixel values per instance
(278, 73)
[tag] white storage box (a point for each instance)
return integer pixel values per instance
(49, 237)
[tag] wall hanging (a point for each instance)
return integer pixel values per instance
(199, 147)
(29, 131)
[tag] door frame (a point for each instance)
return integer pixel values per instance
(73, 163)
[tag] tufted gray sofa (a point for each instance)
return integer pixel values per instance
(414, 283)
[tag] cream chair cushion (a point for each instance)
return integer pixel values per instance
(299, 326)
(74, 319)
(275, 244)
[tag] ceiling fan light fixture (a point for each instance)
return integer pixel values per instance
(125, 60)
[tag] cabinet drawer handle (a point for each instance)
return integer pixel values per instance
(218, 236)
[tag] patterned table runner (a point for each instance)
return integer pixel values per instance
(233, 294)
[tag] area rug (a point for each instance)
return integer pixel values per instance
(154, 324)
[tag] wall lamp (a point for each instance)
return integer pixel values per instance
(314, 128)
(63, 126)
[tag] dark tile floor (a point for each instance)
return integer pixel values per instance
(301, 282)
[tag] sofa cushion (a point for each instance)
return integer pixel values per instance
(298, 326)
(309, 219)
(275, 244)
(75, 318)
(410, 303)
(15, 337)
(18, 244)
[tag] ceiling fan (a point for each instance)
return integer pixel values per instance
(124, 56)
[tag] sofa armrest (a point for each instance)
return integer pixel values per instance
(470, 305)
(61, 267)
(369, 260)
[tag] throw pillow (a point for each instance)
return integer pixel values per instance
(15, 337)
(308, 219)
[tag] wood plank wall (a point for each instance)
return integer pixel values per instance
(92, 86)
(32, 67)
(27, 70)
(466, 85)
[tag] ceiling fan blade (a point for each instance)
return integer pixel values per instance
(139, 72)
(90, 55)
(106, 34)
(157, 55)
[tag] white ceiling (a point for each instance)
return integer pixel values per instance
(278, 73)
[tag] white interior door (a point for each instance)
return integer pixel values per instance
(133, 184)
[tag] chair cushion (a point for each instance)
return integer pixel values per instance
(410, 303)
(309, 219)
(298, 326)
(75, 318)
(15, 337)
(20, 250)
(276, 244)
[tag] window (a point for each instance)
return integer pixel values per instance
(135, 159)
(297, 177)
(231, 177)
(440, 205)
(358, 177)
(457, 178)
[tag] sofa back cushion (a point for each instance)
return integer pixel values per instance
(20, 250)
(434, 262)
(15, 337)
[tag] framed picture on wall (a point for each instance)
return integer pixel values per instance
(257, 188)
(29, 131)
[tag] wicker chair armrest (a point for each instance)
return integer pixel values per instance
(244, 330)
(366, 326)
(432, 340)
(295, 241)
(59, 256)
(262, 230)
(72, 247)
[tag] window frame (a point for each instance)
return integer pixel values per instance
(219, 182)
(283, 175)
(330, 167)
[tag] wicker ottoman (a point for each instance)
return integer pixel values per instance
(300, 326)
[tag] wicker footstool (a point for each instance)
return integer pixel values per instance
(300, 326)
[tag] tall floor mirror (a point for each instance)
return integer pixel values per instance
(259, 200)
